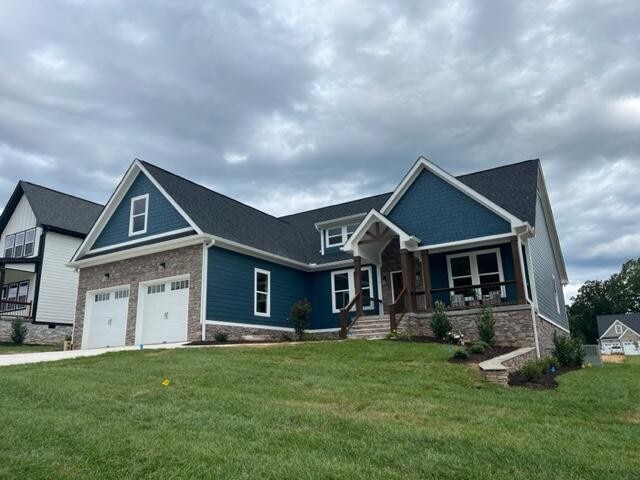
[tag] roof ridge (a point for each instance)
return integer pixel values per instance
(336, 205)
(213, 191)
(498, 167)
(61, 193)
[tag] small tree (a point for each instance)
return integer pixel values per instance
(299, 317)
(486, 324)
(440, 323)
(18, 331)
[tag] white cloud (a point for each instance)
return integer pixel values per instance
(234, 157)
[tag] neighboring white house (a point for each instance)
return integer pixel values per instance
(40, 230)
(619, 334)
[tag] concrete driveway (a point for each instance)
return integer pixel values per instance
(24, 358)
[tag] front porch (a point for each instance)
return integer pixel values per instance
(463, 277)
(17, 287)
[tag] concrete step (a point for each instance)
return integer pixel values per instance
(381, 324)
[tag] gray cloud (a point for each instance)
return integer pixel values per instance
(289, 106)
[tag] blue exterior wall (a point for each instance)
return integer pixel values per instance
(163, 217)
(230, 290)
(440, 276)
(545, 269)
(436, 212)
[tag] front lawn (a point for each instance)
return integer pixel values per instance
(8, 348)
(356, 409)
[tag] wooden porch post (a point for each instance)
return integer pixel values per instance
(518, 271)
(357, 282)
(426, 279)
(409, 277)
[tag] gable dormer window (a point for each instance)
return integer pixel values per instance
(139, 215)
(337, 236)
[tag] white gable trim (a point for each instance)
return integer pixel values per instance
(116, 197)
(372, 217)
(423, 164)
(625, 328)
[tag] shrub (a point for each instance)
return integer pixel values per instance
(534, 369)
(221, 336)
(440, 323)
(478, 347)
(460, 353)
(486, 324)
(299, 317)
(18, 331)
(568, 350)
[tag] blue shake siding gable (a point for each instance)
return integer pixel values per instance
(162, 216)
(436, 212)
(230, 291)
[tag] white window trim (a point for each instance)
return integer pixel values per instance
(146, 214)
(556, 293)
(256, 271)
(617, 327)
(344, 235)
(475, 276)
(352, 287)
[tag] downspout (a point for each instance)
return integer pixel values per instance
(203, 285)
(530, 300)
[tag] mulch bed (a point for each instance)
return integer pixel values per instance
(545, 382)
(489, 353)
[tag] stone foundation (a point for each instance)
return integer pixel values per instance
(514, 327)
(133, 271)
(236, 333)
(545, 336)
(37, 333)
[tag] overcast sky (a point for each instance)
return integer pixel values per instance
(292, 105)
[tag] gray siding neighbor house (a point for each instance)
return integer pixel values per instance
(619, 334)
(40, 230)
(169, 260)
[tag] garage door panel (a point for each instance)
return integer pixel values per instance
(164, 312)
(106, 321)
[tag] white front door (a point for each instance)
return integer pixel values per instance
(106, 318)
(165, 306)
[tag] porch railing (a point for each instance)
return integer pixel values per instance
(13, 308)
(398, 306)
(345, 321)
(470, 296)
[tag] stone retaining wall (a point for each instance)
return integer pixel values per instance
(236, 333)
(37, 333)
(497, 370)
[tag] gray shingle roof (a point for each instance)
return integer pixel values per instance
(631, 320)
(513, 187)
(54, 209)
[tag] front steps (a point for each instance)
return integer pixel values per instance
(370, 326)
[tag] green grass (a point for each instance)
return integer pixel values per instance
(8, 348)
(352, 410)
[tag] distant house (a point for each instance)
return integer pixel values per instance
(169, 260)
(40, 230)
(619, 334)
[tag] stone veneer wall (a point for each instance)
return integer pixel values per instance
(37, 333)
(514, 327)
(236, 333)
(545, 336)
(132, 271)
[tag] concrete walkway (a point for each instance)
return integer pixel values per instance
(38, 357)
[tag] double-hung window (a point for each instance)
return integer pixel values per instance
(336, 236)
(139, 215)
(343, 288)
(476, 268)
(262, 293)
(21, 244)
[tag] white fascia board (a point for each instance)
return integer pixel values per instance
(140, 240)
(468, 243)
(547, 319)
(357, 218)
(139, 251)
(423, 164)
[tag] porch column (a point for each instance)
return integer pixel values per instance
(518, 271)
(409, 277)
(357, 282)
(426, 279)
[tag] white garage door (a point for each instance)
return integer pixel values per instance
(164, 312)
(106, 318)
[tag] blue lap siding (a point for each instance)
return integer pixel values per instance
(230, 291)
(436, 212)
(163, 217)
